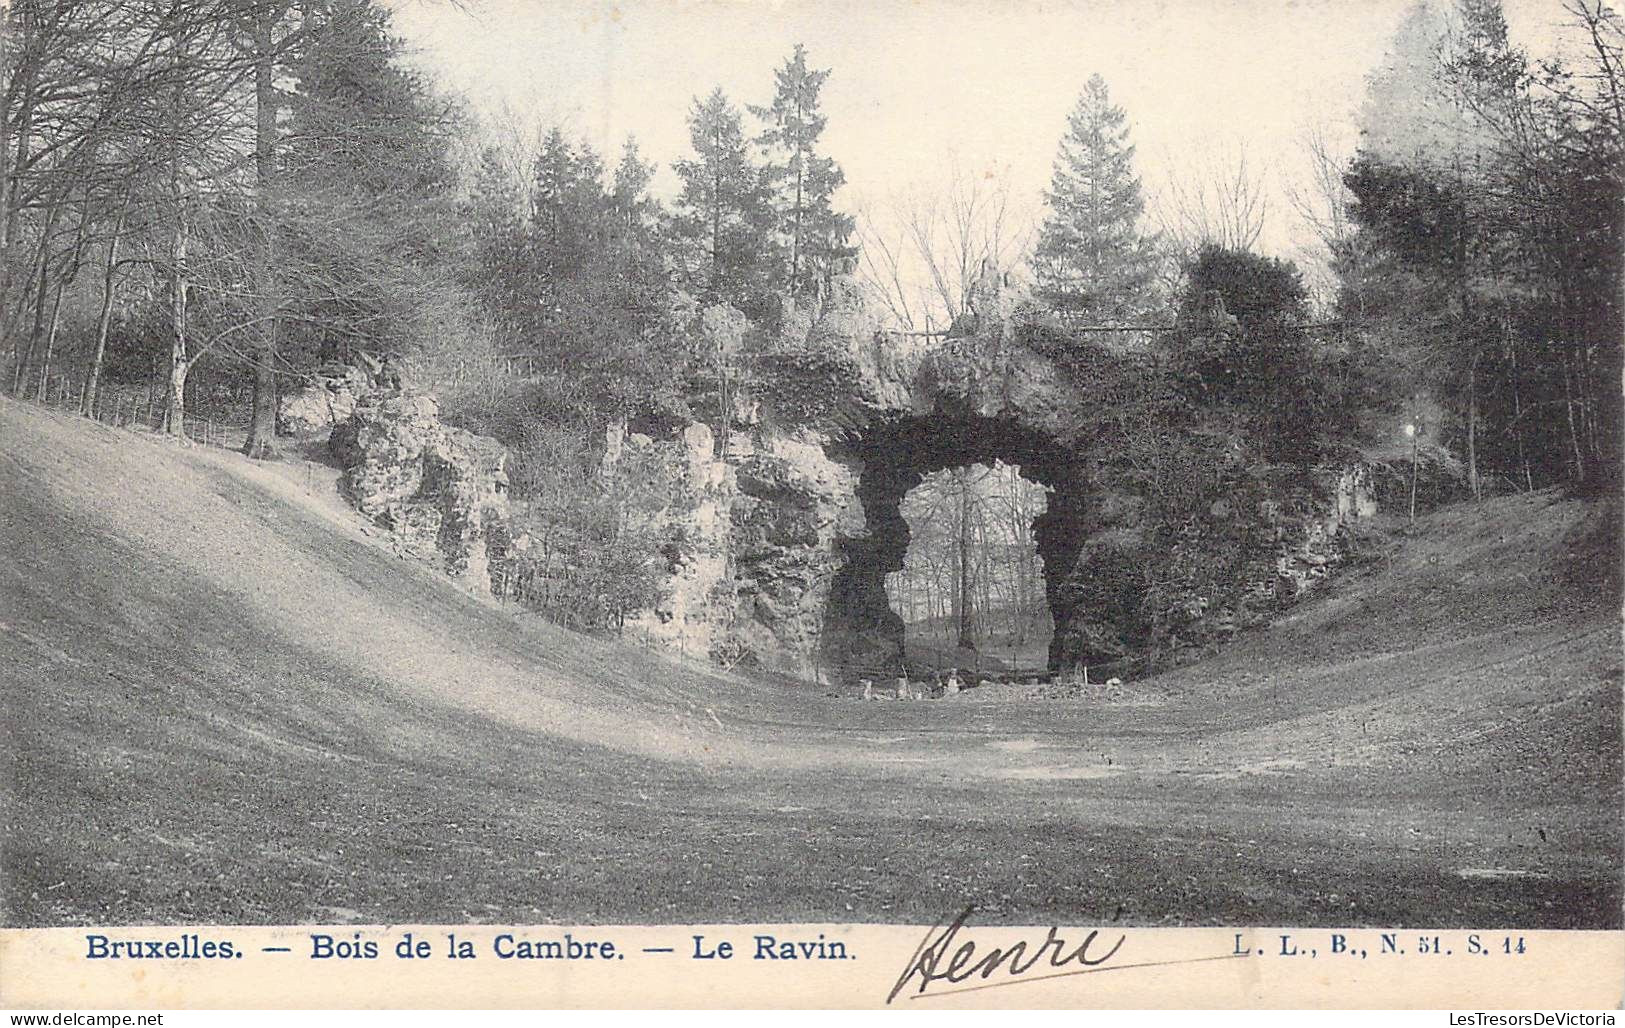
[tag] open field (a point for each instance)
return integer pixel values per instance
(224, 702)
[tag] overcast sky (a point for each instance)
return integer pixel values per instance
(915, 84)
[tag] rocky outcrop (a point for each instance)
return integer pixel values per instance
(787, 541)
(324, 402)
(756, 537)
(1253, 552)
(696, 604)
(794, 505)
(777, 550)
(441, 492)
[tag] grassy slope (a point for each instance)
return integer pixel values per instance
(224, 702)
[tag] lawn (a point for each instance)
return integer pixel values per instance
(225, 702)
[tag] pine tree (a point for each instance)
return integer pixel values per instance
(636, 213)
(1408, 116)
(359, 119)
(551, 185)
(569, 203)
(803, 182)
(578, 282)
(499, 251)
(723, 213)
(367, 187)
(1091, 256)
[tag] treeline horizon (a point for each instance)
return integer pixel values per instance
(252, 190)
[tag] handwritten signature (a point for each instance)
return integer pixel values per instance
(931, 961)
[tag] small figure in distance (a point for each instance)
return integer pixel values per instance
(868, 689)
(951, 686)
(902, 687)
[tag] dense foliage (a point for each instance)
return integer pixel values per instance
(257, 185)
(1488, 198)
(202, 201)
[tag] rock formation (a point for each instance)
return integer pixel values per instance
(323, 403)
(440, 491)
(790, 539)
(781, 546)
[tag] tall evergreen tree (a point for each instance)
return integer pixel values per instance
(359, 118)
(723, 214)
(580, 284)
(499, 270)
(629, 194)
(567, 193)
(1091, 256)
(367, 191)
(803, 181)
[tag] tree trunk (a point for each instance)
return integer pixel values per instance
(1462, 343)
(64, 280)
(87, 401)
(6, 75)
(12, 158)
(716, 234)
(966, 633)
(179, 362)
(1472, 429)
(41, 289)
(11, 318)
(795, 236)
(50, 339)
(5, 187)
(1574, 432)
(1585, 377)
(261, 442)
(38, 278)
(175, 399)
(1517, 401)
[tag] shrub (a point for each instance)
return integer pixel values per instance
(594, 557)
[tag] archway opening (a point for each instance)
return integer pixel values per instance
(971, 591)
(864, 633)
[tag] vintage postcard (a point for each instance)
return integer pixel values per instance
(817, 503)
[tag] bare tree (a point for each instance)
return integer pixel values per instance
(108, 98)
(104, 318)
(1321, 202)
(1605, 31)
(922, 249)
(883, 268)
(262, 21)
(972, 565)
(1221, 200)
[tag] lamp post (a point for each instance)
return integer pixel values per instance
(1413, 430)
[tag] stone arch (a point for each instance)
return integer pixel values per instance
(811, 493)
(893, 455)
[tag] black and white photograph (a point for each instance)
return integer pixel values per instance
(976, 464)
